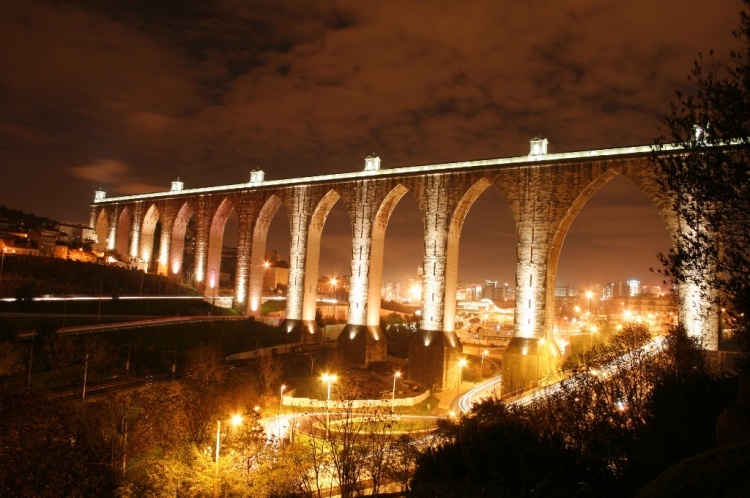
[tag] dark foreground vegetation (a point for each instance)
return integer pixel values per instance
(597, 436)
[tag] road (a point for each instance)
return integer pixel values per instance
(492, 386)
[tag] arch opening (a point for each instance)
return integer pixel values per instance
(480, 296)
(602, 280)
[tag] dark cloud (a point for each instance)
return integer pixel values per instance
(130, 94)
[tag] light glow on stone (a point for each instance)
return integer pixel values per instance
(511, 161)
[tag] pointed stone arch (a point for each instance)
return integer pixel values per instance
(454, 238)
(101, 228)
(215, 243)
(257, 257)
(148, 229)
(315, 231)
(122, 237)
(177, 245)
(377, 251)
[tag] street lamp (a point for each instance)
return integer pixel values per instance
(589, 295)
(481, 367)
(333, 283)
(393, 395)
(236, 420)
(328, 379)
(2, 263)
(461, 364)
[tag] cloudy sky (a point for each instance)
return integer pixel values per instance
(128, 95)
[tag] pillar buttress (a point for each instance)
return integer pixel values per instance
(246, 217)
(113, 215)
(434, 353)
(202, 229)
(299, 208)
(135, 229)
(168, 213)
(532, 351)
(362, 342)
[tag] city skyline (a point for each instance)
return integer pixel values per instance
(128, 97)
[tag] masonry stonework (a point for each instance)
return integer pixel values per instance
(545, 194)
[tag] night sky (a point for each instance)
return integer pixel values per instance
(129, 95)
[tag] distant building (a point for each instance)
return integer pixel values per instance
(77, 233)
(20, 246)
(275, 272)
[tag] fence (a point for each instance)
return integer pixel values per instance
(354, 403)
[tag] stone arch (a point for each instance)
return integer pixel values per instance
(148, 229)
(258, 254)
(122, 239)
(454, 237)
(312, 258)
(177, 244)
(215, 242)
(101, 228)
(377, 249)
(639, 179)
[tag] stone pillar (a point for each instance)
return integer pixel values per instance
(168, 213)
(299, 208)
(202, 228)
(93, 210)
(699, 314)
(434, 353)
(361, 343)
(135, 230)
(113, 215)
(531, 353)
(246, 217)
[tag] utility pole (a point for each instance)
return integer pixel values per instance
(85, 375)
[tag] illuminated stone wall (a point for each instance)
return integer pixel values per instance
(545, 194)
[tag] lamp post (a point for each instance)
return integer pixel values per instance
(101, 286)
(328, 379)
(393, 395)
(2, 263)
(85, 375)
(236, 421)
(460, 365)
(589, 295)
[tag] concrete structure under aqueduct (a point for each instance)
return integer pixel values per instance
(545, 193)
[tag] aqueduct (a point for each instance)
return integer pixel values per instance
(545, 193)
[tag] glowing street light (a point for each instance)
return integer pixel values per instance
(333, 283)
(393, 395)
(481, 367)
(460, 365)
(2, 263)
(236, 421)
(589, 295)
(328, 379)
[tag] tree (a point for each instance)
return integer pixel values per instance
(709, 179)
(270, 370)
